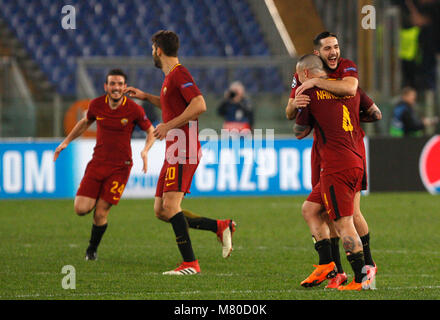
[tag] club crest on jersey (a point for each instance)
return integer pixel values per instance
(124, 121)
(294, 82)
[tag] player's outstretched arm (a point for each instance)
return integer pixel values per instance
(301, 131)
(372, 114)
(133, 92)
(195, 108)
(78, 130)
(148, 144)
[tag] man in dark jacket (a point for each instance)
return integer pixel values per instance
(405, 121)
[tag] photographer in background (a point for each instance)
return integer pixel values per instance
(405, 121)
(236, 109)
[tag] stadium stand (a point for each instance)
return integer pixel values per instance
(208, 28)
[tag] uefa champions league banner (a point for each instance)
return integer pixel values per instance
(228, 167)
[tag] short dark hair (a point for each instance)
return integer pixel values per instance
(310, 61)
(406, 90)
(116, 72)
(168, 41)
(322, 35)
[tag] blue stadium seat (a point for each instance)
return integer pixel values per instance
(115, 28)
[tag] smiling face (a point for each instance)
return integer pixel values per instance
(114, 87)
(329, 52)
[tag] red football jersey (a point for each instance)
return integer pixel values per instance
(114, 129)
(178, 89)
(365, 101)
(337, 129)
(365, 104)
(295, 85)
(345, 68)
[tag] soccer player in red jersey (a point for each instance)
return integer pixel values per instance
(327, 47)
(337, 126)
(108, 171)
(181, 103)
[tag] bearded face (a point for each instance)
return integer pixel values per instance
(156, 58)
(330, 52)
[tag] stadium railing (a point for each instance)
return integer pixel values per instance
(17, 108)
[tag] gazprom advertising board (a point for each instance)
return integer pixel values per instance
(231, 167)
(28, 171)
(254, 167)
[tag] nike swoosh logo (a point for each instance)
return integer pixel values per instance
(99, 118)
(168, 184)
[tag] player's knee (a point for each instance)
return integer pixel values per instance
(160, 214)
(82, 206)
(306, 210)
(81, 209)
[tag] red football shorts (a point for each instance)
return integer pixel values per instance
(316, 165)
(104, 181)
(175, 177)
(364, 185)
(315, 195)
(338, 191)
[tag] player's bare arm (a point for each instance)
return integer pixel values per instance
(195, 108)
(372, 114)
(148, 144)
(301, 131)
(291, 109)
(133, 92)
(345, 87)
(77, 131)
(300, 101)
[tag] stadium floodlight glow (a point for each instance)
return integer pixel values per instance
(281, 27)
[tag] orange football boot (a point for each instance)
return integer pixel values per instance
(321, 273)
(355, 286)
(338, 280)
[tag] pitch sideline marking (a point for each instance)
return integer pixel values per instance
(37, 295)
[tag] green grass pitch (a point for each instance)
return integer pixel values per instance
(273, 251)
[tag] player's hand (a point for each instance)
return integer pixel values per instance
(310, 83)
(161, 131)
(144, 156)
(134, 93)
(60, 148)
(301, 101)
